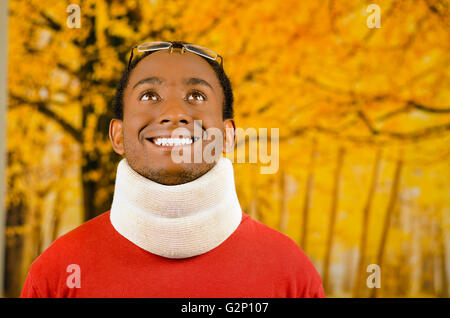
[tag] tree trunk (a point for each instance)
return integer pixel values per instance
(254, 198)
(416, 256)
(308, 194)
(56, 217)
(442, 254)
(4, 18)
(333, 214)
(387, 222)
(427, 285)
(284, 212)
(89, 188)
(360, 274)
(15, 219)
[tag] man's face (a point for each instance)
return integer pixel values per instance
(168, 91)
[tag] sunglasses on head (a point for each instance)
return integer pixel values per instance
(158, 46)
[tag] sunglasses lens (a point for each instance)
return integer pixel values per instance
(153, 46)
(203, 51)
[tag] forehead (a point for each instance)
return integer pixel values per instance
(174, 66)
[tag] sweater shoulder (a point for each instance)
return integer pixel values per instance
(88, 232)
(73, 243)
(271, 239)
(280, 251)
(47, 274)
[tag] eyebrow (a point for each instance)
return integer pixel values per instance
(149, 80)
(186, 81)
(197, 81)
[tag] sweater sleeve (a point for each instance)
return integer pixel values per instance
(309, 283)
(317, 290)
(29, 289)
(42, 278)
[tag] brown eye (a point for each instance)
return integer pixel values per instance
(149, 96)
(195, 96)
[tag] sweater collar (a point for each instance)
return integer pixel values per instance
(176, 221)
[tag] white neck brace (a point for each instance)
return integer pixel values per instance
(176, 221)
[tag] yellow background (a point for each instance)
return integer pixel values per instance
(363, 116)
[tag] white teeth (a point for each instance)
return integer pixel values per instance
(172, 141)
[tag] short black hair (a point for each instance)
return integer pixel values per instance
(227, 110)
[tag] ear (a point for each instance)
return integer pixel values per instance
(116, 135)
(229, 139)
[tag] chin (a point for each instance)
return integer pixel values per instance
(172, 173)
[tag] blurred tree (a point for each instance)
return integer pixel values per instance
(312, 69)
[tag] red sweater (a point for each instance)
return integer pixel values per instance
(255, 262)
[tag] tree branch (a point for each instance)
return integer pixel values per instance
(418, 134)
(428, 109)
(50, 21)
(367, 122)
(43, 109)
(410, 104)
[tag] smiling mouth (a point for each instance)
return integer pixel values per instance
(173, 142)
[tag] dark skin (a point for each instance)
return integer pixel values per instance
(168, 91)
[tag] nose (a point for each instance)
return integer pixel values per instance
(175, 114)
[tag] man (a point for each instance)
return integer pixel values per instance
(175, 228)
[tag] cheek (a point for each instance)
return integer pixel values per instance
(214, 127)
(212, 116)
(133, 127)
(136, 119)
(135, 115)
